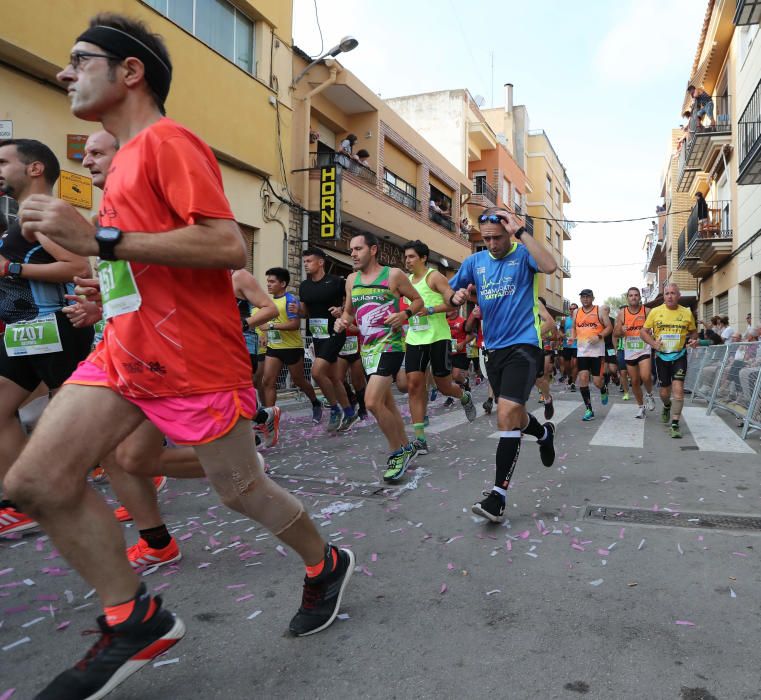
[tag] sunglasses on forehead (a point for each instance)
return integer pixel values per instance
(490, 218)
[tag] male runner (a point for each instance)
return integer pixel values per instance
(458, 355)
(474, 349)
(623, 370)
(170, 230)
(610, 366)
(321, 295)
(39, 344)
(285, 346)
(591, 325)
(548, 332)
(569, 349)
(503, 278)
(636, 352)
(350, 360)
(429, 341)
(372, 297)
(667, 329)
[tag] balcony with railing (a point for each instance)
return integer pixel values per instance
(566, 306)
(705, 140)
(655, 254)
(483, 193)
(567, 226)
(322, 159)
(442, 220)
(747, 12)
(401, 197)
(704, 243)
(749, 141)
(565, 266)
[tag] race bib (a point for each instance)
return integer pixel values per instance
(670, 342)
(274, 337)
(633, 344)
(611, 352)
(117, 288)
(351, 346)
(472, 351)
(318, 327)
(419, 323)
(371, 359)
(454, 346)
(37, 337)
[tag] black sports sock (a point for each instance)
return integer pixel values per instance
(261, 417)
(605, 381)
(350, 393)
(508, 449)
(317, 402)
(586, 397)
(361, 400)
(466, 386)
(156, 537)
(534, 427)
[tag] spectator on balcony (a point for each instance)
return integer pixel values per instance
(704, 105)
(445, 208)
(685, 135)
(362, 157)
(347, 145)
(465, 226)
(434, 207)
(704, 220)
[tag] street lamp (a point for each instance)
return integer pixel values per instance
(348, 43)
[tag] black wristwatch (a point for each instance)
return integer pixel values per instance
(108, 238)
(520, 232)
(408, 312)
(14, 270)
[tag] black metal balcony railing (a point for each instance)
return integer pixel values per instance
(747, 12)
(530, 225)
(681, 246)
(321, 159)
(441, 220)
(749, 141)
(400, 196)
(698, 143)
(480, 186)
(717, 226)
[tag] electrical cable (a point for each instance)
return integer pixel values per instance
(319, 28)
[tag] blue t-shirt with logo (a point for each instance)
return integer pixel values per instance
(568, 342)
(507, 290)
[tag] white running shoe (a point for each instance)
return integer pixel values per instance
(649, 402)
(640, 412)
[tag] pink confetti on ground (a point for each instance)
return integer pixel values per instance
(281, 550)
(603, 552)
(374, 556)
(186, 536)
(248, 596)
(621, 533)
(234, 586)
(740, 554)
(443, 589)
(524, 535)
(7, 694)
(578, 547)
(450, 566)
(685, 623)
(63, 626)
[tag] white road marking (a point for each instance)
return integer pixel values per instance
(712, 434)
(620, 428)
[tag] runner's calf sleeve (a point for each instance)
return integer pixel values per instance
(676, 407)
(236, 471)
(584, 390)
(508, 449)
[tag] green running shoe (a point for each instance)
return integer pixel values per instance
(604, 397)
(666, 414)
(675, 433)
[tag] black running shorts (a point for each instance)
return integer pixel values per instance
(593, 365)
(390, 363)
(418, 357)
(569, 353)
(512, 371)
(671, 370)
(328, 348)
(461, 361)
(53, 368)
(288, 356)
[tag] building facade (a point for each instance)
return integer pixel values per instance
(218, 49)
(720, 157)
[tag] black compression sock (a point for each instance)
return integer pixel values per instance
(586, 397)
(156, 537)
(534, 427)
(508, 449)
(361, 400)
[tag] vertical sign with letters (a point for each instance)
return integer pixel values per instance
(330, 201)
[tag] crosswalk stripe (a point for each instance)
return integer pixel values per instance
(620, 428)
(441, 423)
(712, 434)
(563, 409)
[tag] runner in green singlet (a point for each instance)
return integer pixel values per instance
(429, 341)
(372, 301)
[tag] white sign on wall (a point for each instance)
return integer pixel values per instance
(6, 129)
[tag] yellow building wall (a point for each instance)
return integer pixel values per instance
(399, 163)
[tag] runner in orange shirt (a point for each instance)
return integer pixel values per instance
(166, 227)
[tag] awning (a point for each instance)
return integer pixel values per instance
(339, 257)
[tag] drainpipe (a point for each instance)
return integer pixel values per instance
(305, 141)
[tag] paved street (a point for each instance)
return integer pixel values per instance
(556, 603)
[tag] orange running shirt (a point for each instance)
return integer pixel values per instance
(185, 338)
(588, 327)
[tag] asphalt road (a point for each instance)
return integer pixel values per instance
(555, 603)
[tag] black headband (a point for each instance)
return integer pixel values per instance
(122, 45)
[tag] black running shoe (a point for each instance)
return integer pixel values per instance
(549, 409)
(321, 598)
(488, 405)
(492, 507)
(547, 446)
(120, 651)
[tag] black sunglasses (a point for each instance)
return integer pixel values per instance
(490, 218)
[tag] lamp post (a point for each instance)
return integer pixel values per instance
(348, 43)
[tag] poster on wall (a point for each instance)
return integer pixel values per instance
(75, 189)
(330, 202)
(6, 129)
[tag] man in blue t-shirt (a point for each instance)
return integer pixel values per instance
(568, 356)
(503, 278)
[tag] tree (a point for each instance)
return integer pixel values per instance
(615, 303)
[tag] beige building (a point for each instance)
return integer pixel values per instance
(721, 158)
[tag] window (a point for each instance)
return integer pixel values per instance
(215, 22)
(723, 304)
(400, 190)
(557, 241)
(517, 200)
(505, 190)
(558, 199)
(548, 230)
(707, 311)
(549, 186)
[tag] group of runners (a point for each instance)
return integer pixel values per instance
(168, 389)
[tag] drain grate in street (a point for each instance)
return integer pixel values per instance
(639, 516)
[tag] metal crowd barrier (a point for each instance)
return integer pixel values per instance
(727, 378)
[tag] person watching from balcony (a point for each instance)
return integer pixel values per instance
(433, 205)
(685, 130)
(362, 156)
(445, 208)
(704, 105)
(347, 145)
(465, 226)
(703, 214)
